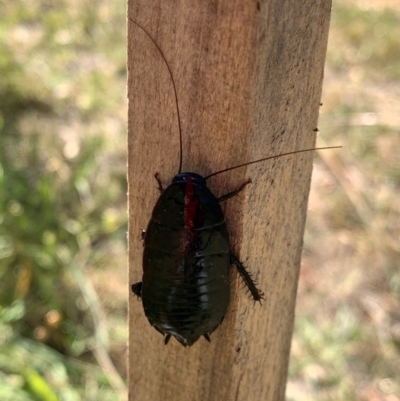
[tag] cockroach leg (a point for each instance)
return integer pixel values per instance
(137, 289)
(229, 195)
(160, 187)
(257, 294)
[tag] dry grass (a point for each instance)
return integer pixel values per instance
(347, 340)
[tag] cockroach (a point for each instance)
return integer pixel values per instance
(185, 286)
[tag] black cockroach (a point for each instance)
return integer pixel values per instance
(185, 286)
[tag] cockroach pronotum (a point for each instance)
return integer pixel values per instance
(185, 286)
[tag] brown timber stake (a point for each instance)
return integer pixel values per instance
(249, 77)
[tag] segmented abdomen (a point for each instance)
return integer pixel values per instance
(186, 259)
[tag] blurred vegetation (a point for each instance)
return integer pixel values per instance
(63, 199)
(63, 208)
(347, 335)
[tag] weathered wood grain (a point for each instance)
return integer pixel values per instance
(248, 77)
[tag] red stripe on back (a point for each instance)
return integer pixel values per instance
(190, 206)
(190, 215)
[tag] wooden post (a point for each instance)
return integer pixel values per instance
(249, 77)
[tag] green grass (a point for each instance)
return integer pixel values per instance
(365, 37)
(63, 202)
